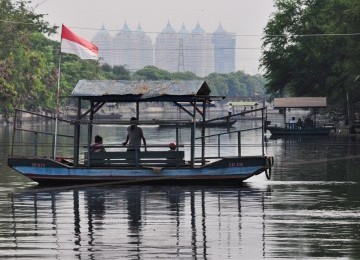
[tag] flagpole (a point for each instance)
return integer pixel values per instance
(57, 101)
(79, 47)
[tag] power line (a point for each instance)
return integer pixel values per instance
(231, 34)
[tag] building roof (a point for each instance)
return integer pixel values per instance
(102, 34)
(183, 30)
(125, 28)
(133, 91)
(168, 28)
(300, 102)
(139, 29)
(243, 103)
(198, 29)
(220, 30)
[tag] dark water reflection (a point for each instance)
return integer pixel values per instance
(310, 209)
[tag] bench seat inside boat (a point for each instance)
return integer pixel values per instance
(157, 158)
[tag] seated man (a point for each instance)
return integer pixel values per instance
(292, 123)
(299, 124)
(308, 123)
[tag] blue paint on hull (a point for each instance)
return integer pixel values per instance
(137, 173)
(45, 170)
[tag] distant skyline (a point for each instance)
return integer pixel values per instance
(245, 18)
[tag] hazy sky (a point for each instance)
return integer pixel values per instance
(245, 18)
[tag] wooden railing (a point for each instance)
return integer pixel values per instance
(135, 158)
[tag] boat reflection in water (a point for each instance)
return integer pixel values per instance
(141, 222)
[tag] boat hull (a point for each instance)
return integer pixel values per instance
(229, 123)
(47, 171)
(279, 131)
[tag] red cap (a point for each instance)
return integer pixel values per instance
(172, 145)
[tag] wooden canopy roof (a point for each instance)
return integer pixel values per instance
(141, 91)
(300, 102)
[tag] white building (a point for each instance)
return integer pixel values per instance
(102, 40)
(196, 51)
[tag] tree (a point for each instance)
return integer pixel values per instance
(236, 84)
(121, 73)
(152, 73)
(24, 68)
(184, 76)
(311, 48)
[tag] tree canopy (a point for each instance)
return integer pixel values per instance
(25, 70)
(311, 48)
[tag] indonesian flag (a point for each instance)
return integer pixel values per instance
(73, 44)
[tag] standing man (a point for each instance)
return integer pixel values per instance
(134, 136)
(230, 109)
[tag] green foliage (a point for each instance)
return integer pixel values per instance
(236, 84)
(151, 73)
(25, 69)
(311, 48)
(120, 73)
(184, 76)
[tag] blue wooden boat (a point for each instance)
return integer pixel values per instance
(156, 164)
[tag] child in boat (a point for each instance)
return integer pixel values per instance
(172, 146)
(98, 145)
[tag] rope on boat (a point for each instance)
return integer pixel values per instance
(268, 173)
(268, 165)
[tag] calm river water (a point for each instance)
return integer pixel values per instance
(309, 209)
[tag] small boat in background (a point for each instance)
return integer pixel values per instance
(299, 127)
(180, 123)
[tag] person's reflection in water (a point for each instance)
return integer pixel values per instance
(134, 209)
(133, 198)
(95, 199)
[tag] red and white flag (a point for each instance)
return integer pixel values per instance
(73, 44)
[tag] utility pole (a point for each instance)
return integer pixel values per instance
(181, 67)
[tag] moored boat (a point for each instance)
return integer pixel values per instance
(283, 131)
(307, 127)
(154, 163)
(199, 124)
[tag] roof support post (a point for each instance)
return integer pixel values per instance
(77, 133)
(192, 142)
(137, 111)
(90, 130)
(203, 133)
(262, 131)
